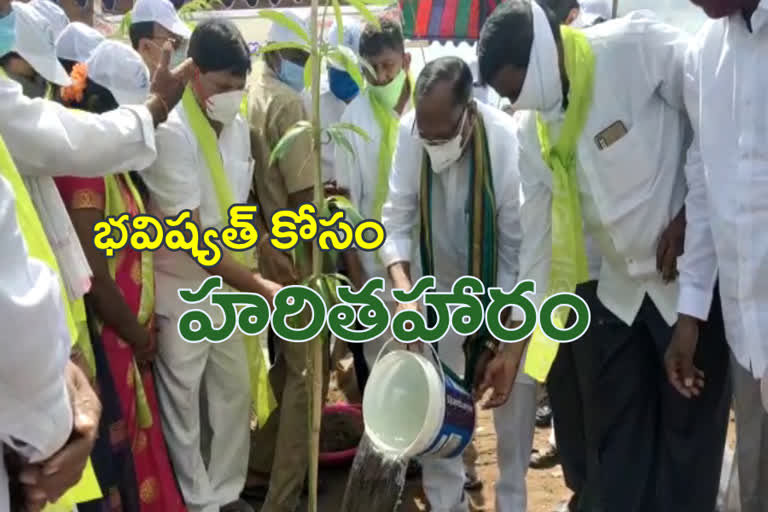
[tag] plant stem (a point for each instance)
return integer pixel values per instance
(315, 347)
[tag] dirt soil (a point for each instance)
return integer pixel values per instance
(339, 432)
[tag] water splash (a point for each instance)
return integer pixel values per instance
(376, 481)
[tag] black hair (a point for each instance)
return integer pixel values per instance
(7, 57)
(68, 65)
(139, 31)
(389, 35)
(507, 36)
(452, 69)
(561, 8)
(217, 45)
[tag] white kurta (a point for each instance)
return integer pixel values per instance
(35, 415)
(444, 479)
(359, 172)
(727, 210)
(179, 180)
(727, 171)
(47, 139)
(331, 110)
(631, 190)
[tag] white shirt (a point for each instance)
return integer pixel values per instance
(331, 110)
(631, 190)
(727, 171)
(450, 212)
(359, 173)
(450, 205)
(47, 139)
(35, 415)
(181, 180)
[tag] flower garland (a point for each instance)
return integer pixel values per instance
(74, 93)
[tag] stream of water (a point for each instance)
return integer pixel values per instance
(376, 481)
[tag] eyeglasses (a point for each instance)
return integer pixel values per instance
(436, 142)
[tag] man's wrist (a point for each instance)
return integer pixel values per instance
(158, 108)
(687, 321)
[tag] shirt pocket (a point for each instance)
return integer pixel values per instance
(625, 170)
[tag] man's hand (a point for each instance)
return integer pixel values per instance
(267, 288)
(499, 375)
(276, 263)
(167, 85)
(49, 480)
(480, 365)
(333, 189)
(671, 245)
(146, 351)
(416, 346)
(678, 360)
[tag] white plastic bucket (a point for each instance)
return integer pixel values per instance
(412, 408)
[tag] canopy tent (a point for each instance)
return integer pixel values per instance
(445, 20)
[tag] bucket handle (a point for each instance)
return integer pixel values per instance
(435, 356)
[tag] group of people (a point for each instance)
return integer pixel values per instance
(604, 176)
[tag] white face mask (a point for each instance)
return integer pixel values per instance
(542, 88)
(444, 154)
(225, 106)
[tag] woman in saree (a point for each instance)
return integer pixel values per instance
(121, 302)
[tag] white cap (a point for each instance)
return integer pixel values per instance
(350, 36)
(53, 13)
(77, 42)
(120, 69)
(281, 34)
(594, 9)
(161, 12)
(35, 43)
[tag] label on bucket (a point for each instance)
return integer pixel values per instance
(458, 422)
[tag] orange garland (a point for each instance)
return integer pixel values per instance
(74, 93)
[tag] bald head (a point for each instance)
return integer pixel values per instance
(442, 94)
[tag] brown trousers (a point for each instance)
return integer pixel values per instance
(281, 446)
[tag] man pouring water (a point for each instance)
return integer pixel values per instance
(448, 148)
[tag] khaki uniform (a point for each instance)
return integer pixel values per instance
(280, 446)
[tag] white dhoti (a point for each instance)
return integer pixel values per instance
(183, 371)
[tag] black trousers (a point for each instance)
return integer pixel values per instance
(628, 441)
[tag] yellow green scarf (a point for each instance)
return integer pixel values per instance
(261, 391)
(569, 259)
(388, 123)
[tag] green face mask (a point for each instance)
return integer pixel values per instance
(388, 94)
